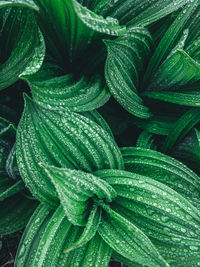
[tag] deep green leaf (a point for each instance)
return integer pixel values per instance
(181, 128)
(20, 3)
(65, 91)
(160, 212)
(64, 139)
(15, 213)
(138, 12)
(170, 39)
(48, 234)
(124, 63)
(165, 169)
(28, 52)
(127, 240)
(89, 230)
(145, 140)
(74, 189)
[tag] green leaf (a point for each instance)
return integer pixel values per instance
(15, 213)
(181, 128)
(64, 139)
(146, 140)
(161, 213)
(138, 12)
(127, 240)
(107, 25)
(179, 69)
(72, 27)
(8, 189)
(164, 169)
(20, 3)
(89, 230)
(46, 236)
(124, 63)
(169, 40)
(65, 91)
(74, 189)
(28, 52)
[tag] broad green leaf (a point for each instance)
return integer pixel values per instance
(48, 234)
(28, 52)
(89, 230)
(71, 27)
(164, 169)
(170, 39)
(178, 70)
(161, 125)
(127, 240)
(124, 63)
(64, 139)
(96, 117)
(98, 23)
(138, 12)
(15, 213)
(181, 128)
(160, 212)
(20, 3)
(74, 189)
(65, 91)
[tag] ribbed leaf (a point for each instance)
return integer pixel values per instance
(164, 169)
(43, 244)
(107, 25)
(74, 189)
(124, 63)
(65, 91)
(145, 140)
(181, 128)
(28, 52)
(63, 139)
(127, 240)
(89, 230)
(161, 125)
(161, 213)
(177, 70)
(138, 12)
(15, 213)
(170, 39)
(74, 27)
(20, 3)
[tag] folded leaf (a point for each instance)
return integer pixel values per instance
(20, 3)
(165, 216)
(138, 12)
(145, 140)
(124, 63)
(165, 169)
(127, 240)
(181, 128)
(169, 40)
(64, 139)
(28, 52)
(74, 189)
(65, 91)
(51, 233)
(89, 230)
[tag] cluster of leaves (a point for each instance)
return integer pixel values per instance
(104, 160)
